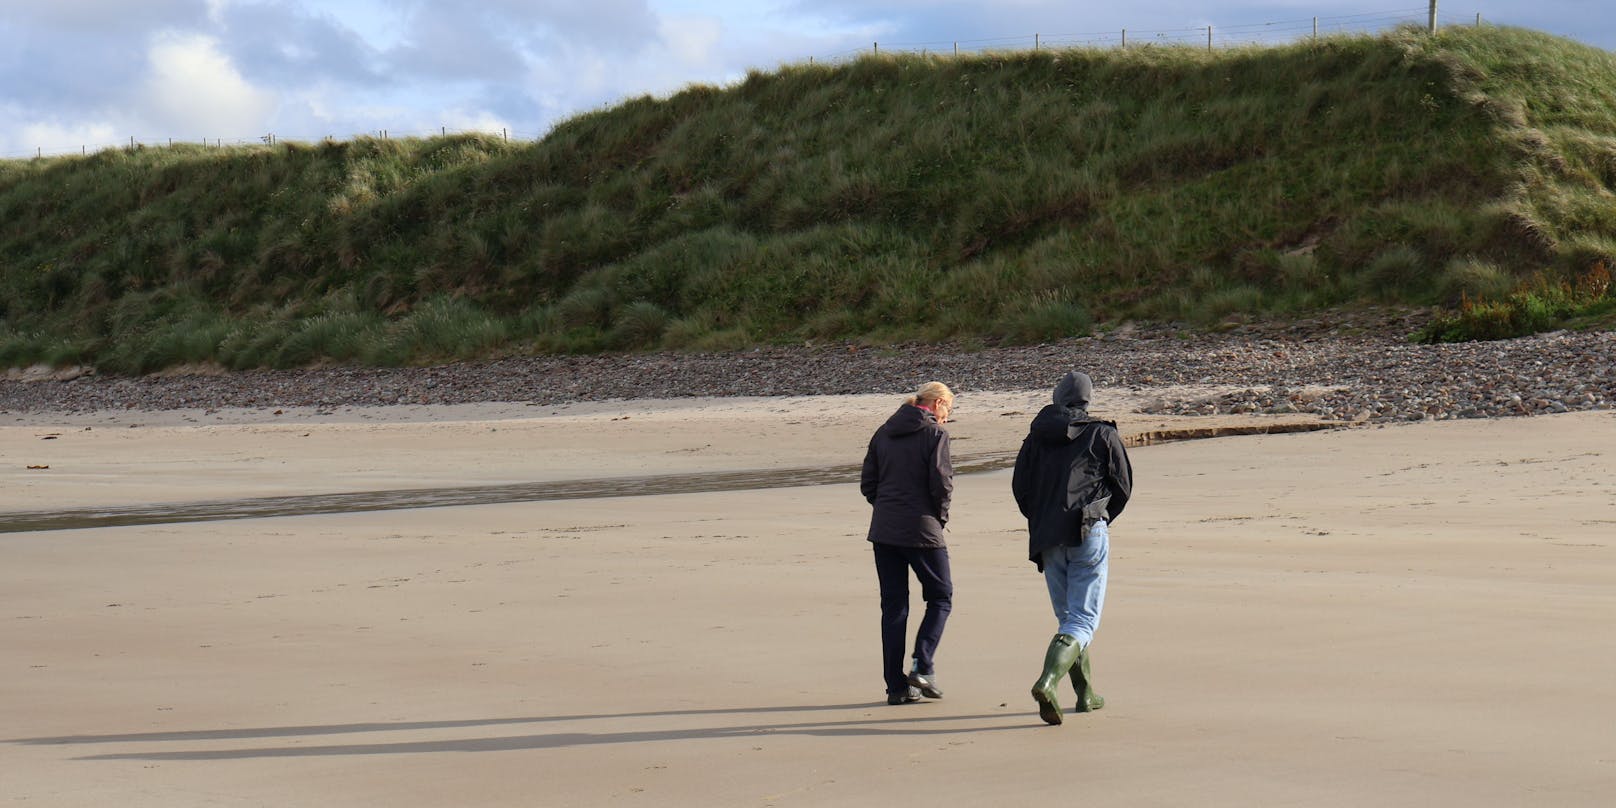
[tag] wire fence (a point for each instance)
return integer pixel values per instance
(1209, 36)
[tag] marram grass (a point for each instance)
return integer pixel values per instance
(1001, 197)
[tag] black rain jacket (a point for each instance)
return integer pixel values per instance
(909, 478)
(1072, 470)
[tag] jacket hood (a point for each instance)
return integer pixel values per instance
(909, 419)
(1074, 391)
(1057, 424)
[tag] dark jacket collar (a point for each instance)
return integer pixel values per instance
(1056, 424)
(910, 419)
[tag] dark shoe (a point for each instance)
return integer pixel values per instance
(926, 683)
(1083, 683)
(909, 696)
(1061, 655)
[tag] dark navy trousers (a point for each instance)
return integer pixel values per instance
(892, 566)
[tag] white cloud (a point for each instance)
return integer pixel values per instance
(106, 15)
(468, 120)
(612, 25)
(451, 45)
(216, 10)
(88, 134)
(49, 137)
(693, 41)
(103, 70)
(193, 88)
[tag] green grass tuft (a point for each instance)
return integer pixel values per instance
(1541, 304)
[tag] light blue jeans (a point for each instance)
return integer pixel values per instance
(1076, 579)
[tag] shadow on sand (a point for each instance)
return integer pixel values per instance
(906, 720)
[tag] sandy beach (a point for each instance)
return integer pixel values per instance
(1379, 614)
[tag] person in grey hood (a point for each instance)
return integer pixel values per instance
(1072, 480)
(908, 477)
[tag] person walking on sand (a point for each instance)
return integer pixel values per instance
(908, 477)
(1072, 480)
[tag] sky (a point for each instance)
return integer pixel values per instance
(81, 75)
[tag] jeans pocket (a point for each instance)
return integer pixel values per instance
(1096, 545)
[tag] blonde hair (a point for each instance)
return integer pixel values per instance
(932, 391)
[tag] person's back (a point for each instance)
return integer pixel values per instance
(1072, 480)
(1068, 475)
(908, 479)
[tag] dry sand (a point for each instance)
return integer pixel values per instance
(1405, 615)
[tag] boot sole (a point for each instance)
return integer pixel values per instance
(1048, 708)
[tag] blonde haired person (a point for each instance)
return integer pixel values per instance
(908, 478)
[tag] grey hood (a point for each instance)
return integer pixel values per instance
(1074, 391)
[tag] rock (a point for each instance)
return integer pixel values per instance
(1363, 370)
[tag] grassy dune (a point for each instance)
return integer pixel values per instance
(1011, 197)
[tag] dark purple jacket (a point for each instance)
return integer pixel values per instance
(909, 478)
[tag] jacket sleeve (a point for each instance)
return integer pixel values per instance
(1021, 483)
(942, 477)
(870, 476)
(1120, 475)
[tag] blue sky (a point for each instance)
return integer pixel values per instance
(87, 74)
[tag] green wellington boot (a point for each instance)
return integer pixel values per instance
(1060, 658)
(1083, 683)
